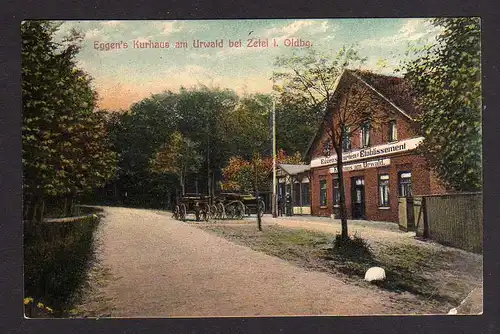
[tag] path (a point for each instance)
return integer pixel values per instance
(161, 267)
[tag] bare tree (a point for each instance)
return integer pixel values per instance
(340, 100)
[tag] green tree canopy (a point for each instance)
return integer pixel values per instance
(65, 145)
(178, 156)
(446, 77)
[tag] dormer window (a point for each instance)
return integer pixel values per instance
(327, 148)
(346, 140)
(365, 135)
(392, 131)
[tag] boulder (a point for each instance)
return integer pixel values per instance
(375, 274)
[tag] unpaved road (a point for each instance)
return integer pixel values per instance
(159, 267)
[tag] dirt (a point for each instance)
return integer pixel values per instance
(158, 267)
(453, 272)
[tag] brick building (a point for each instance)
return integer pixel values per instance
(380, 163)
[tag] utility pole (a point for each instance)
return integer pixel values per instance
(274, 162)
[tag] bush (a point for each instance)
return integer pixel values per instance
(56, 259)
(353, 247)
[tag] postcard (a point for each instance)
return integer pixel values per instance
(252, 168)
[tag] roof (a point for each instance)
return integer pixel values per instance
(395, 90)
(294, 169)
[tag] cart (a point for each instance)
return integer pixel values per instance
(196, 204)
(236, 205)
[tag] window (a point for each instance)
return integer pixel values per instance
(327, 148)
(393, 131)
(365, 135)
(336, 191)
(346, 140)
(296, 194)
(383, 190)
(322, 192)
(405, 184)
(305, 194)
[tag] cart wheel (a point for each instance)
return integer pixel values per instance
(221, 211)
(206, 212)
(240, 210)
(182, 212)
(176, 212)
(213, 212)
(262, 208)
(230, 210)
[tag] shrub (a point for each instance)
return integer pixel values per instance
(56, 257)
(352, 247)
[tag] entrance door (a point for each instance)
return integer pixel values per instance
(358, 197)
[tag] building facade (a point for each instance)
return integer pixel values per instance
(380, 162)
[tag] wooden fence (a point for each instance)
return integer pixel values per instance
(451, 219)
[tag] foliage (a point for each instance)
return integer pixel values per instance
(240, 174)
(312, 81)
(56, 258)
(202, 112)
(178, 156)
(247, 127)
(446, 77)
(352, 247)
(65, 147)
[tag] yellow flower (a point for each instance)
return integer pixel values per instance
(28, 300)
(49, 309)
(40, 305)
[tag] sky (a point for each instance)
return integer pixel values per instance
(123, 76)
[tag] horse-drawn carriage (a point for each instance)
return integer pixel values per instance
(226, 205)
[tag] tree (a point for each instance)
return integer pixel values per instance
(201, 113)
(313, 80)
(254, 175)
(239, 173)
(446, 79)
(65, 145)
(179, 156)
(136, 134)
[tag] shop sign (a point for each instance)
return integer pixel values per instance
(370, 152)
(363, 165)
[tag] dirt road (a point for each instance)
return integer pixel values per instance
(159, 267)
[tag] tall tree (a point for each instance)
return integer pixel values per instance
(65, 146)
(202, 111)
(446, 77)
(178, 156)
(313, 80)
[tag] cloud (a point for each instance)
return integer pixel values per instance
(111, 23)
(171, 27)
(91, 34)
(411, 31)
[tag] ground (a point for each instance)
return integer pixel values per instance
(151, 265)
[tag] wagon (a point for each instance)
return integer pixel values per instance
(196, 204)
(236, 205)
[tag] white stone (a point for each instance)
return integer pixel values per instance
(453, 311)
(375, 274)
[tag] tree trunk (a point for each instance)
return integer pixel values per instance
(256, 188)
(182, 183)
(343, 210)
(65, 208)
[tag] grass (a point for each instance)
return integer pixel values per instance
(56, 259)
(409, 268)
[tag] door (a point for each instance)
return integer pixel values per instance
(358, 197)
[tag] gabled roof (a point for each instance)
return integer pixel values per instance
(396, 91)
(294, 169)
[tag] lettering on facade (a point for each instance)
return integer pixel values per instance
(363, 165)
(376, 151)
